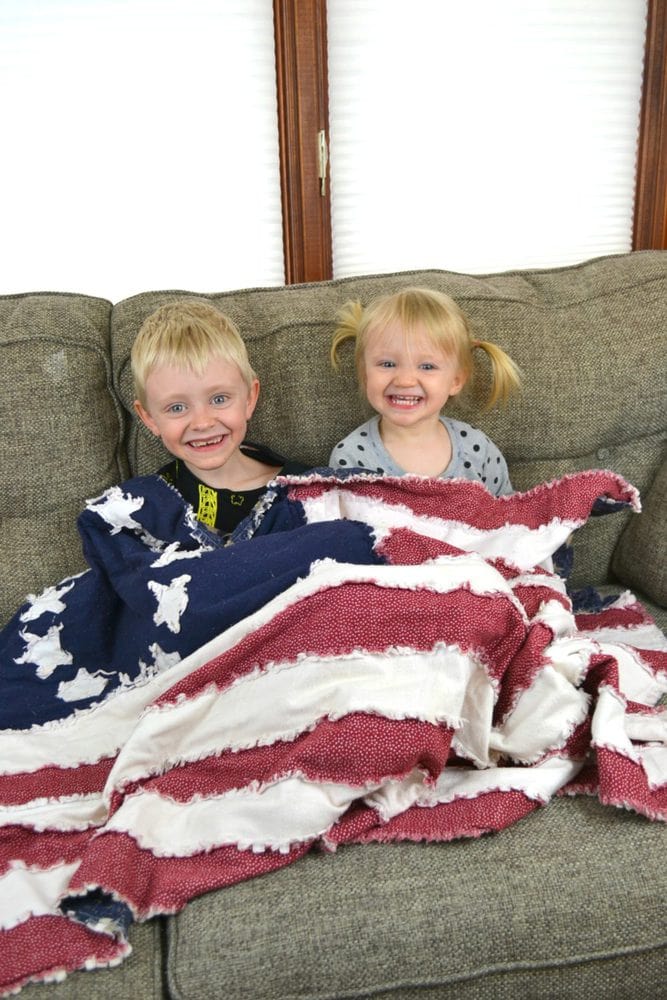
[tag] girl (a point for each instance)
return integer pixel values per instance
(413, 350)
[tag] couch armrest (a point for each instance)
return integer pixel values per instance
(640, 557)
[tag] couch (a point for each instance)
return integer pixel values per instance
(567, 902)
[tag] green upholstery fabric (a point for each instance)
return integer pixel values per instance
(546, 908)
(61, 434)
(140, 977)
(640, 558)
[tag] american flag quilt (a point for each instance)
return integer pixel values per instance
(369, 659)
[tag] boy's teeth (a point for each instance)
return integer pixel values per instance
(199, 444)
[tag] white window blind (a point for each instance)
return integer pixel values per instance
(482, 136)
(140, 146)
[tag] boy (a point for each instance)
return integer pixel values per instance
(196, 391)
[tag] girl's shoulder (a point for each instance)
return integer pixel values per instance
(470, 439)
(368, 427)
(463, 430)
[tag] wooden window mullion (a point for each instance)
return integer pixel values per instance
(650, 222)
(301, 71)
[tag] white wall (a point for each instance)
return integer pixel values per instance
(485, 135)
(140, 145)
(128, 160)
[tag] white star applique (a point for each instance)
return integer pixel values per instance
(84, 685)
(116, 508)
(47, 601)
(173, 552)
(44, 651)
(172, 600)
(161, 661)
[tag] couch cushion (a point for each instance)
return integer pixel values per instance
(58, 401)
(589, 338)
(568, 902)
(138, 978)
(640, 557)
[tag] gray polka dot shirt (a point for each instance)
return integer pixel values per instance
(474, 455)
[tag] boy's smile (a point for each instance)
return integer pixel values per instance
(201, 418)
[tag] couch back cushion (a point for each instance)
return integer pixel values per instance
(590, 340)
(61, 434)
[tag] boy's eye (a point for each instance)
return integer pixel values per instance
(219, 399)
(176, 409)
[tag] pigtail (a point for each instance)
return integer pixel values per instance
(505, 374)
(348, 324)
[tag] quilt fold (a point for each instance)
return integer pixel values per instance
(368, 659)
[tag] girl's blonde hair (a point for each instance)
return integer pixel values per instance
(186, 334)
(444, 323)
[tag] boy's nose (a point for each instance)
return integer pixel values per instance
(202, 417)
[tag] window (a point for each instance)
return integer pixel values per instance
(140, 146)
(143, 149)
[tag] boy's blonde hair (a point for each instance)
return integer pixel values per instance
(186, 334)
(444, 323)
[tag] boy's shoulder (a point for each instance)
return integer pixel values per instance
(262, 453)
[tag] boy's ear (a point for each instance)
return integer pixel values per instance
(253, 396)
(146, 418)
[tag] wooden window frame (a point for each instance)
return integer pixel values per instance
(650, 221)
(303, 112)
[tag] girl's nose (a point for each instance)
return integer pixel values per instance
(404, 376)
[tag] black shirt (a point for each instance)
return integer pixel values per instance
(223, 509)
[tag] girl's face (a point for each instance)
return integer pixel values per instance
(408, 378)
(201, 419)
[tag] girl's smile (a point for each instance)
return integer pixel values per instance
(408, 378)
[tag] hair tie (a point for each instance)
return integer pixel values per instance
(476, 343)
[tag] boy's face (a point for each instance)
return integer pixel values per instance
(201, 419)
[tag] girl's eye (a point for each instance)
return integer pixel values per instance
(427, 366)
(386, 364)
(219, 400)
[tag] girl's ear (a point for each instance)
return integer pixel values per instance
(146, 418)
(253, 396)
(458, 382)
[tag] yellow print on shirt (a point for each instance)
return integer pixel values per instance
(208, 505)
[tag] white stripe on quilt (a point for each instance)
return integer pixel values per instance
(557, 618)
(608, 723)
(647, 726)
(69, 812)
(539, 782)
(26, 892)
(635, 678)
(641, 636)
(397, 684)
(274, 816)
(654, 762)
(613, 729)
(542, 718)
(519, 544)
